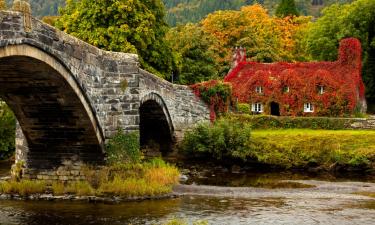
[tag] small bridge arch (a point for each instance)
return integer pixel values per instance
(156, 126)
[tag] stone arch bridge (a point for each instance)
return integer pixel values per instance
(70, 97)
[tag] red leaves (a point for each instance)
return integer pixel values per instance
(217, 94)
(341, 81)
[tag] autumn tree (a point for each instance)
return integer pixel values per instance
(3, 5)
(136, 26)
(350, 20)
(193, 51)
(267, 39)
(286, 8)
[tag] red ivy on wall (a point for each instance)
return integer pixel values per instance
(342, 82)
(217, 94)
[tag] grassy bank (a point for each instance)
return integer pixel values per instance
(232, 139)
(152, 178)
(302, 147)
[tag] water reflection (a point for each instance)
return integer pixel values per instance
(215, 210)
(288, 210)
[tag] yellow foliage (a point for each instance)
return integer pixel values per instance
(266, 38)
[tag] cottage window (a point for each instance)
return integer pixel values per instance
(257, 107)
(321, 89)
(308, 107)
(286, 89)
(259, 89)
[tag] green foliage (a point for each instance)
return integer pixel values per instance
(7, 131)
(124, 26)
(220, 90)
(287, 8)
(184, 11)
(220, 140)
(124, 148)
(351, 20)
(192, 52)
(243, 108)
(51, 20)
(273, 122)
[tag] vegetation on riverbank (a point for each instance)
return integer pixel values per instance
(229, 139)
(152, 178)
(126, 175)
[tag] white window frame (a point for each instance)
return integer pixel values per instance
(257, 107)
(321, 89)
(308, 107)
(259, 89)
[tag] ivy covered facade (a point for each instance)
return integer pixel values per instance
(302, 88)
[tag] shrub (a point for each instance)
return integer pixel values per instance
(243, 108)
(222, 139)
(124, 148)
(270, 122)
(217, 94)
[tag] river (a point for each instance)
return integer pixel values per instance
(326, 203)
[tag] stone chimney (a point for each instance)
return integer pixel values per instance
(239, 55)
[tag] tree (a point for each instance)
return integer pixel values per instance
(136, 26)
(350, 20)
(3, 5)
(266, 39)
(287, 8)
(194, 54)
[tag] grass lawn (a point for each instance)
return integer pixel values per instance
(300, 147)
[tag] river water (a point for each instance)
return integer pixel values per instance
(325, 203)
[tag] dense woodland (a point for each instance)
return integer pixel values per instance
(184, 11)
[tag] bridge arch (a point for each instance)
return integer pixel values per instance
(156, 126)
(56, 118)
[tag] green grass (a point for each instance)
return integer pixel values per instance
(299, 147)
